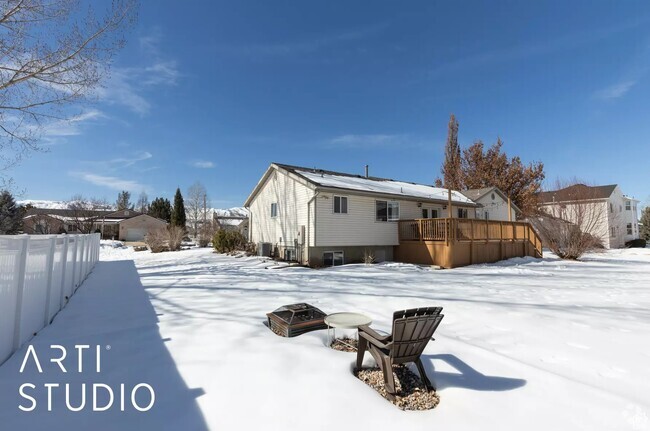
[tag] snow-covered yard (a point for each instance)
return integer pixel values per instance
(525, 344)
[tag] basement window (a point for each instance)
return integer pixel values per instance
(333, 258)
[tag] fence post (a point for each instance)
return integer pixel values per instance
(64, 264)
(20, 289)
(74, 265)
(48, 289)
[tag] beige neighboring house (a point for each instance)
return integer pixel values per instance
(617, 216)
(325, 218)
(493, 203)
(135, 228)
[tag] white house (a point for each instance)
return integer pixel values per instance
(493, 203)
(612, 216)
(327, 218)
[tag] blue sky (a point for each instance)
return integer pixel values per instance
(214, 92)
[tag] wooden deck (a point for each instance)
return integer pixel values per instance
(452, 242)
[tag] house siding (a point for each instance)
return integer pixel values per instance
(359, 226)
(292, 198)
(497, 208)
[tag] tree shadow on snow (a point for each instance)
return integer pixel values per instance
(466, 377)
(112, 310)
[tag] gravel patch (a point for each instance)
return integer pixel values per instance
(410, 395)
(345, 345)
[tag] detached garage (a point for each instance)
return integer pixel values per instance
(135, 228)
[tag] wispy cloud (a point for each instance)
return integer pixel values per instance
(127, 86)
(114, 183)
(305, 45)
(369, 141)
(117, 163)
(615, 91)
(55, 131)
(202, 164)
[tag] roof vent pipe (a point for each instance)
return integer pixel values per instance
(366, 171)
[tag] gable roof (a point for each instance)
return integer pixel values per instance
(64, 212)
(477, 194)
(576, 192)
(122, 214)
(320, 178)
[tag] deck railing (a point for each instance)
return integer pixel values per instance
(454, 229)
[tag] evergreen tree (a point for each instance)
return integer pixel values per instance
(10, 215)
(451, 168)
(124, 201)
(178, 213)
(645, 220)
(161, 208)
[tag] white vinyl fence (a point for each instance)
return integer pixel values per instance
(38, 275)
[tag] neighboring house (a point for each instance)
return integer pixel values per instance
(493, 204)
(611, 216)
(111, 224)
(630, 218)
(135, 228)
(58, 220)
(232, 219)
(328, 218)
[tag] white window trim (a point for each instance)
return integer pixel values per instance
(347, 205)
(388, 202)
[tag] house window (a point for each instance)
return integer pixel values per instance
(425, 212)
(274, 209)
(486, 215)
(340, 205)
(333, 258)
(462, 212)
(628, 206)
(613, 231)
(611, 207)
(629, 228)
(387, 210)
(493, 196)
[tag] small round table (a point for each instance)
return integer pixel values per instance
(345, 320)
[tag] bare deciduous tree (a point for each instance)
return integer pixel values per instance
(86, 212)
(575, 222)
(143, 203)
(51, 56)
(195, 207)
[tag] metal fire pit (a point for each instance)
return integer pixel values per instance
(296, 319)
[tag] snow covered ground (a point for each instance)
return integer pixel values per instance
(525, 344)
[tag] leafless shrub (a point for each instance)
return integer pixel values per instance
(175, 236)
(574, 222)
(368, 257)
(156, 240)
(206, 233)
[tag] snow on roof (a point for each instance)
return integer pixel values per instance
(380, 185)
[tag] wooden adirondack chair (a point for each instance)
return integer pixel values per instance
(412, 330)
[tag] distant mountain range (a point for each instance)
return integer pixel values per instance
(228, 212)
